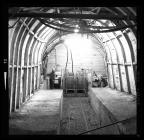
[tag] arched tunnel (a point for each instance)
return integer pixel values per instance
(93, 54)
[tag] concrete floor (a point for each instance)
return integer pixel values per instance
(109, 105)
(40, 115)
(115, 106)
(77, 116)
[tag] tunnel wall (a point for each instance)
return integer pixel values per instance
(91, 59)
(121, 57)
(24, 68)
(29, 39)
(26, 43)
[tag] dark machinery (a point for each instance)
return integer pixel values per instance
(99, 81)
(81, 81)
(75, 84)
(57, 80)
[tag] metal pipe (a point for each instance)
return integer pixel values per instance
(71, 59)
(87, 31)
(117, 122)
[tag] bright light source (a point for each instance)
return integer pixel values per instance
(76, 30)
(77, 43)
(77, 26)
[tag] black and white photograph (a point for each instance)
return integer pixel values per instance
(72, 71)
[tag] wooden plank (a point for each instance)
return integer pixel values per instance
(33, 80)
(124, 79)
(18, 90)
(21, 87)
(110, 77)
(10, 90)
(132, 80)
(24, 85)
(14, 99)
(29, 82)
(30, 91)
(116, 76)
(78, 16)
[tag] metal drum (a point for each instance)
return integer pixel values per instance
(75, 84)
(81, 82)
(68, 82)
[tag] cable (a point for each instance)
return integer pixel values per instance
(53, 27)
(62, 25)
(71, 60)
(112, 30)
(104, 126)
(64, 81)
(95, 31)
(67, 57)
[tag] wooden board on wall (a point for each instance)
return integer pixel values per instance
(124, 79)
(131, 79)
(18, 89)
(29, 80)
(111, 82)
(14, 86)
(116, 76)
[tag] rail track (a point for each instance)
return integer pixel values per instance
(77, 116)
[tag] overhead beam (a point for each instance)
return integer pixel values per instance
(74, 16)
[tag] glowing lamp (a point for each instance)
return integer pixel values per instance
(76, 30)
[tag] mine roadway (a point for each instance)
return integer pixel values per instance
(49, 113)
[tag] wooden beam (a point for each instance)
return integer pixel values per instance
(73, 16)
